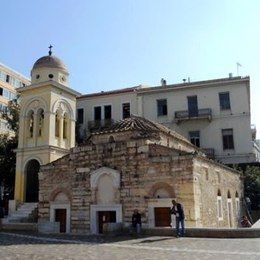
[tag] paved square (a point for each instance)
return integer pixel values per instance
(22, 246)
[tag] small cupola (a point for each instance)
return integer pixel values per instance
(49, 68)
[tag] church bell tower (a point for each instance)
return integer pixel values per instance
(47, 123)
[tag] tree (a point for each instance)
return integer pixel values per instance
(252, 185)
(8, 143)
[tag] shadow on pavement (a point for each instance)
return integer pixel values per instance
(22, 237)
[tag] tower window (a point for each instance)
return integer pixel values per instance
(40, 122)
(50, 76)
(65, 126)
(31, 124)
(37, 76)
(57, 125)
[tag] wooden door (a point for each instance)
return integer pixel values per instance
(105, 217)
(162, 217)
(60, 216)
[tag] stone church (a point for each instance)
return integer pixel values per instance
(134, 164)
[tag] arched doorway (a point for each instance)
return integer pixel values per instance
(32, 181)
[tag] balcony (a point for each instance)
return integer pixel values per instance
(204, 113)
(210, 152)
(99, 125)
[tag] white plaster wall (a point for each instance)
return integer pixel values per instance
(238, 117)
(115, 100)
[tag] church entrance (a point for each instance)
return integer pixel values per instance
(162, 217)
(60, 216)
(105, 217)
(32, 181)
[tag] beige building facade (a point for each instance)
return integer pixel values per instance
(10, 80)
(212, 114)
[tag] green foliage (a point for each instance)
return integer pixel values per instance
(7, 163)
(12, 116)
(252, 185)
(8, 143)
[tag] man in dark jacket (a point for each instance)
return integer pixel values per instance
(177, 210)
(136, 221)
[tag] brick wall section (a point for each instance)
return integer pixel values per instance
(141, 165)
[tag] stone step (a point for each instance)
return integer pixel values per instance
(19, 226)
(22, 214)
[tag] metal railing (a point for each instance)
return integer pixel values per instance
(210, 152)
(98, 125)
(195, 114)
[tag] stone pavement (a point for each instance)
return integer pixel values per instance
(33, 246)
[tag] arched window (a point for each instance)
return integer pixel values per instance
(111, 139)
(57, 125)
(30, 123)
(219, 206)
(65, 126)
(40, 117)
(237, 203)
(228, 195)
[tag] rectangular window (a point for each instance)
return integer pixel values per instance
(1, 91)
(6, 93)
(227, 138)
(224, 101)
(162, 107)
(80, 115)
(97, 113)
(193, 106)
(219, 208)
(108, 112)
(7, 79)
(126, 110)
(195, 138)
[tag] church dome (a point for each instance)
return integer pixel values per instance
(50, 62)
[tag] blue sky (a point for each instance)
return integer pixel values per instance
(114, 44)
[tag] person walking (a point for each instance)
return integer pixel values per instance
(177, 210)
(136, 221)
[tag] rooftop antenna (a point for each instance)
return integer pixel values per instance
(163, 82)
(238, 65)
(50, 52)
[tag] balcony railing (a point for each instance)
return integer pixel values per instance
(204, 113)
(210, 152)
(98, 125)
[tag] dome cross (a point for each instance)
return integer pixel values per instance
(50, 52)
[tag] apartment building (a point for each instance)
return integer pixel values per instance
(9, 81)
(213, 114)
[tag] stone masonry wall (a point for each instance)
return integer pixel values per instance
(142, 166)
(210, 179)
